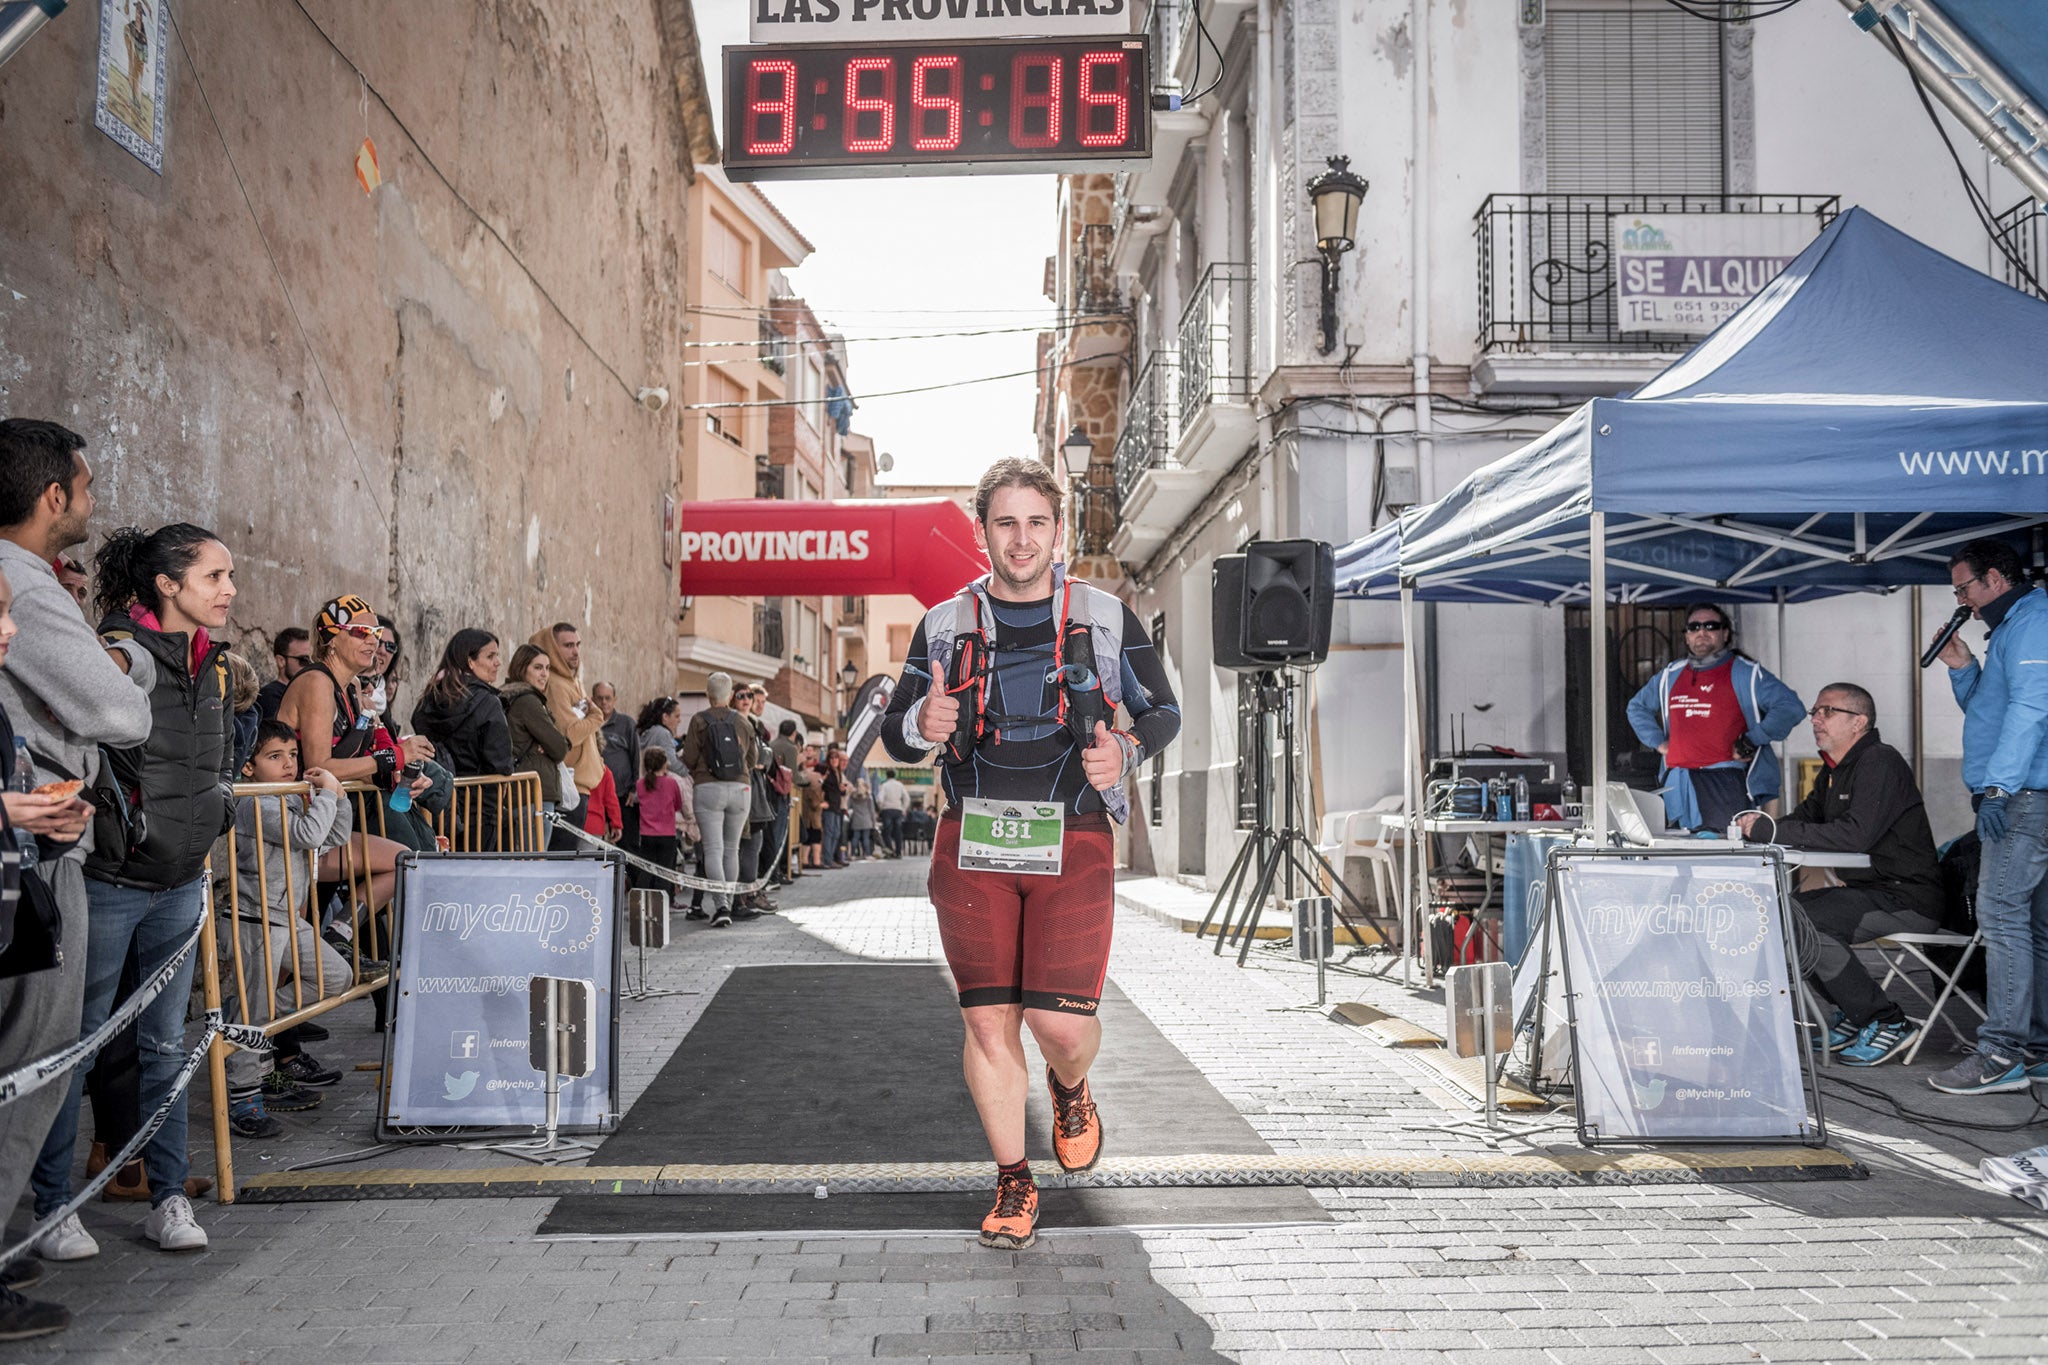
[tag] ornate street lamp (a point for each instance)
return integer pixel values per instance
(1334, 195)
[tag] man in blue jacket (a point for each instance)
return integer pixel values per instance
(2005, 766)
(1714, 715)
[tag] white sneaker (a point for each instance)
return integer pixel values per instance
(171, 1226)
(68, 1241)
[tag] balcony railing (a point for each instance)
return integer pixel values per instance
(853, 611)
(768, 630)
(1151, 422)
(2023, 233)
(1095, 288)
(774, 346)
(769, 479)
(1546, 267)
(1093, 516)
(1215, 341)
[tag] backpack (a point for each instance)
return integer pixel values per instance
(723, 756)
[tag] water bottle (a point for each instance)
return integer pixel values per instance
(401, 791)
(1522, 798)
(1503, 801)
(24, 780)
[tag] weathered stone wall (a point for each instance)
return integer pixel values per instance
(423, 394)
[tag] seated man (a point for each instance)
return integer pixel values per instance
(1864, 801)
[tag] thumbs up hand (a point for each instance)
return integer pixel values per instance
(1103, 760)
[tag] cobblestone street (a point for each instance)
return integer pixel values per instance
(1915, 1264)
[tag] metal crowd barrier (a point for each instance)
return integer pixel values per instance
(487, 814)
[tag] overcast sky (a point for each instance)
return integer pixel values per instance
(912, 255)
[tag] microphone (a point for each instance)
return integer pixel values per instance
(1955, 623)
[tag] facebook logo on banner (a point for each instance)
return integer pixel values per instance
(465, 1043)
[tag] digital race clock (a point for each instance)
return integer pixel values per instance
(824, 110)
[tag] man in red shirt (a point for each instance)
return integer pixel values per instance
(1714, 715)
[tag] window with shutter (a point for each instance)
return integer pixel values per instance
(1632, 100)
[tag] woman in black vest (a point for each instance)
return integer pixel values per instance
(145, 875)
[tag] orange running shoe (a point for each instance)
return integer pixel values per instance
(1012, 1224)
(1076, 1127)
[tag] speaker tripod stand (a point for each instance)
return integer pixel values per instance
(1274, 854)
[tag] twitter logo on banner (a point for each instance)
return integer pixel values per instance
(458, 1087)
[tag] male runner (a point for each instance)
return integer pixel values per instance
(1003, 680)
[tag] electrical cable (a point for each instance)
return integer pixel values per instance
(825, 343)
(631, 391)
(859, 397)
(1720, 14)
(1202, 34)
(1943, 1122)
(305, 340)
(1978, 203)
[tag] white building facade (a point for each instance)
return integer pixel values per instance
(1501, 139)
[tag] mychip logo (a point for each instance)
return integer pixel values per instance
(563, 918)
(1730, 916)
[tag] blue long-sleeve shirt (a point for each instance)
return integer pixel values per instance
(2005, 701)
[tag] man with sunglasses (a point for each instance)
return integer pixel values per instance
(1714, 715)
(2005, 766)
(1865, 801)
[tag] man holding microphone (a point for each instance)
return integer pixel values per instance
(2005, 765)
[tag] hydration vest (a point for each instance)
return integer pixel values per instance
(1087, 663)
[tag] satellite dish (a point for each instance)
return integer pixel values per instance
(885, 462)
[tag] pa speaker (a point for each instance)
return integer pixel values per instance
(1270, 605)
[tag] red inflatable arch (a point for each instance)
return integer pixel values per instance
(767, 547)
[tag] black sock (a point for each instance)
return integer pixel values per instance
(1066, 1092)
(1021, 1167)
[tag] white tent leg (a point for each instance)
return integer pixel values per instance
(1786, 801)
(1410, 788)
(1597, 648)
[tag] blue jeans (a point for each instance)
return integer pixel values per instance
(156, 923)
(2012, 912)
(835, 824)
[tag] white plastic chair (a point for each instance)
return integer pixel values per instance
(1898, 950)
(1347, 834)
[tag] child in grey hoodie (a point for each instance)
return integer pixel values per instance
(278, 842)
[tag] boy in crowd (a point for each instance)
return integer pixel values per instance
(278, 843)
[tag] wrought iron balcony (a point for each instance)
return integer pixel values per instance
(1546, 268)
(1094, 279)
(1215, 342)
(768, 630)
(774, 346)
(853, 611)
(1093, 517)
(769, 479)
(1151, 422)
(2023, 235)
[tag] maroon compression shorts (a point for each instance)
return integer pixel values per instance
(1039, 941)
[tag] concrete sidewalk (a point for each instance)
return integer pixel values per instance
(1917, 1263)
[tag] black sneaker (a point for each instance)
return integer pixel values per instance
(282, 1093)
(743, 913)
(22, 1318)
(21, 1273)
(721, 921)
(696, 912)
(308, 1032)
(250, 1120)
(303, 1068)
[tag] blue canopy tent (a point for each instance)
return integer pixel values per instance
(1871, 408)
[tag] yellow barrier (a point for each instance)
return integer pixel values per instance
(273, 922)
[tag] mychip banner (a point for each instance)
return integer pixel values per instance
(1682, 1014)
(473, 931)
